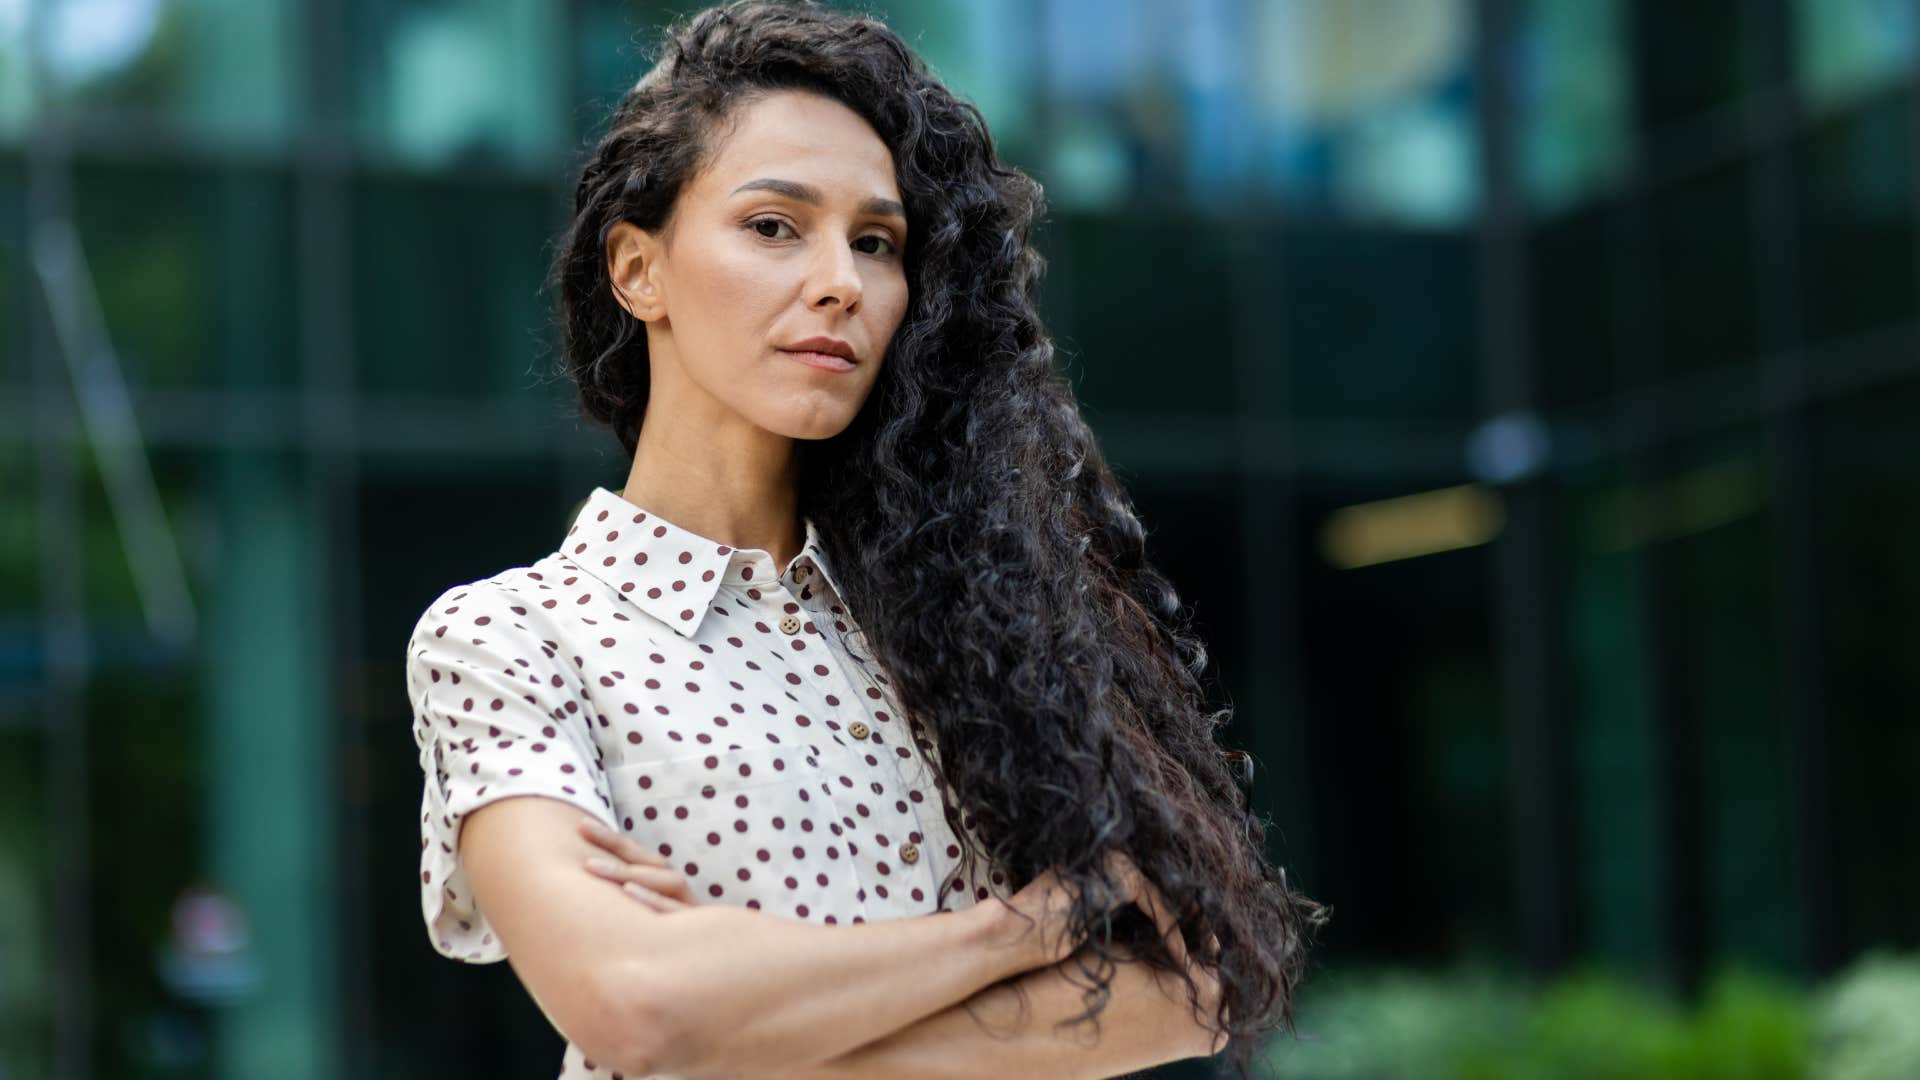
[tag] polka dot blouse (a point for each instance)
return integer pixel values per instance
(712, 706)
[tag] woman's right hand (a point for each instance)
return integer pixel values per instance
(1046, 901)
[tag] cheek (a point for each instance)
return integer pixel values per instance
(888, 294)
(733, 294)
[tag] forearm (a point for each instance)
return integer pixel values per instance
(1010, 1030)
(741, 991)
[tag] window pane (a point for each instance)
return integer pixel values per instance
(1146, 317)
(16, 82)
(1691, 58)
(23, 635)
(1866, 484)
(1854, 181)
(1367, 110)
(447, 285)
(1405, 714)
(1381, 323)
(195, 268)
(1847, 48)
(1705, 266)
(1619, 832)
(459, 81)
(27, 937)
(1575, 109)
(17, 281)
(1575, 307)
(225, 68)
(1713, 527)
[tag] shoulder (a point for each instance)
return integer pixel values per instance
(499, 623)
(505, 605)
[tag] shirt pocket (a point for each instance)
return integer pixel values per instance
(754, 827)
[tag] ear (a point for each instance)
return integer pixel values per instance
(633, 271)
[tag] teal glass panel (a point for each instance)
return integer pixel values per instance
(1365, 111)
(17, 100)
(1144, 312)
(1572, 264)
(22, 559)
(196, 272)
(612, 41)
(1712, 523)
(449, 82)
(1575, 108)
(1614, 750)
(17, 283)
(1704, 286)
(1846, 49)
(1691, 58)
(27, 936)
(1854, 179)
(1381, 323)
(148, 846)
(1866, 490)
(226, 69)
(447, 277)
(213, 937)
(1405, 720)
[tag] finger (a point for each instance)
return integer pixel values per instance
(669, 883)
(1170, 932)
(1155, 903)
(620, 845)
(650, 898)
(660, 879)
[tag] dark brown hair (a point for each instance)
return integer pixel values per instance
(995, 563)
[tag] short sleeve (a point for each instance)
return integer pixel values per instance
(495, 714)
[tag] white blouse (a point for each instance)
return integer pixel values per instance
(712, 706)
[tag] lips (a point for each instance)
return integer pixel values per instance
(832, 346)
(823, 361)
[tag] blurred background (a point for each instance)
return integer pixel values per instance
(1524, 393)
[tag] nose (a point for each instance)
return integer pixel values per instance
(834, 276)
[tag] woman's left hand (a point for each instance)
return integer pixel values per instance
(640, 873)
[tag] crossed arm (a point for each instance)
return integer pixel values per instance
(1013, 1029)
(716, 992)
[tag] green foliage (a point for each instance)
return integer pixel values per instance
(1866, 1023)
(1480, 1024)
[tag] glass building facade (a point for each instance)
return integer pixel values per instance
(1523, 394)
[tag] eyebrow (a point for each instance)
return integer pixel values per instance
(807, 193)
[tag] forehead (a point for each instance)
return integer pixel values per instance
(794, 135)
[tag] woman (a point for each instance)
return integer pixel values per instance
(867, 635)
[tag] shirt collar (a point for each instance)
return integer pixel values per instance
(671, 572)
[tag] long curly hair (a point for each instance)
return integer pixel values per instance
(994, 562)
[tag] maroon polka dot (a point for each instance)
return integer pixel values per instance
(749, 712)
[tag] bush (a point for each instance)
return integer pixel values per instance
(1866, 1023)
(1479, 1024)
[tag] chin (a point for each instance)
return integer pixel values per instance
(814, 428)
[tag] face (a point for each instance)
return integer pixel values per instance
(793, 230)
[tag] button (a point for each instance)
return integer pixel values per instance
(857, 729)
(909, 853)
(790, 624)
(800, 573)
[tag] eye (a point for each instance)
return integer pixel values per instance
(890, 248)
(757, 222)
